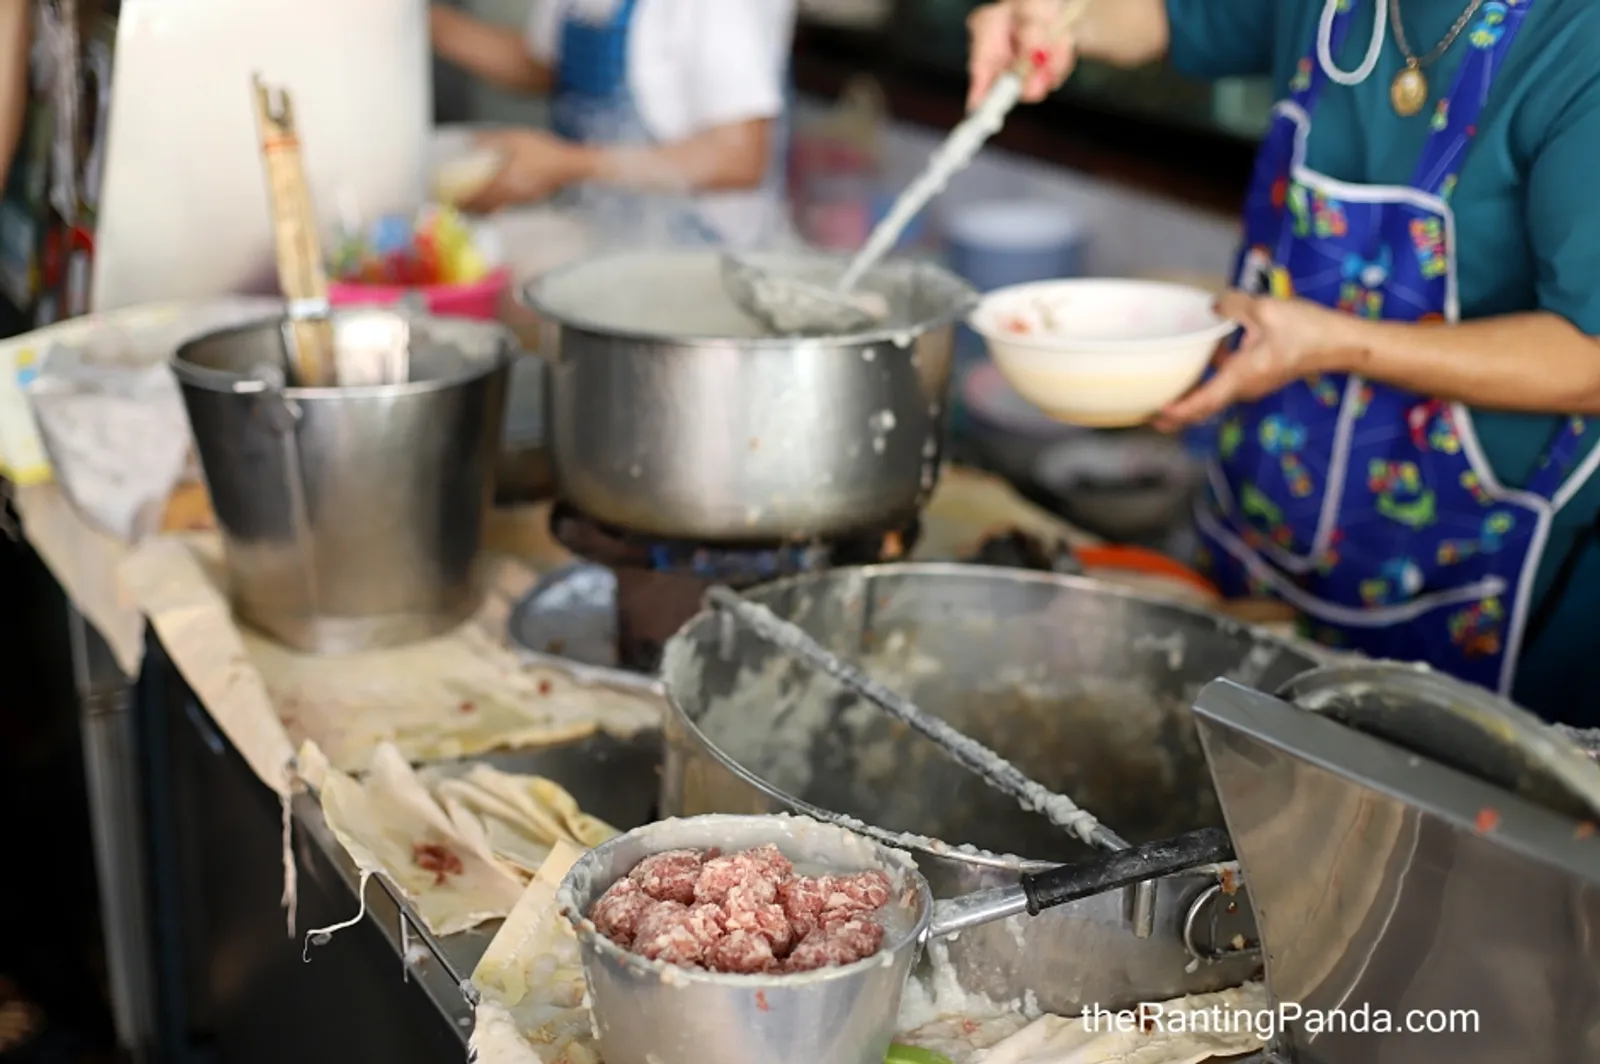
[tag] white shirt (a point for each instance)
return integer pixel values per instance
(694, 65)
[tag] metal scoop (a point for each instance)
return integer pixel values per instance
(793, 306)
(646, 1012)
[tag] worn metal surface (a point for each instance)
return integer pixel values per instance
(744, 437)
(1460, 915)
(351, 517)
(1092, 700)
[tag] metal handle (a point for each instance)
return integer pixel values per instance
(268, 384)
(1137, 864)
(299, 310)
(1200, 932)
(1083, 879)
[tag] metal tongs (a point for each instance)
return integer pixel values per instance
(971, 755)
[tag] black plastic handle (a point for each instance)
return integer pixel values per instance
(1123, 868)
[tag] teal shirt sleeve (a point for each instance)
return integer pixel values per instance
(1223, 38)
(1563, 210)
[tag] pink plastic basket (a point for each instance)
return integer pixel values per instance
(480, 300)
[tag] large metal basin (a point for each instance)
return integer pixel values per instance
(670, 413)
(1083, 686)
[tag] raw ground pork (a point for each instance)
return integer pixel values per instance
(743, 913)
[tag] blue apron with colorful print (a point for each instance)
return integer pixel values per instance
(592, 104)
(1369, 509)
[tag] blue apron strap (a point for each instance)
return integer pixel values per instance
(594, 55)
(1454, 121)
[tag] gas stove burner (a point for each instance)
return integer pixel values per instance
(660, 581)
(1016, 549)
(732, 563)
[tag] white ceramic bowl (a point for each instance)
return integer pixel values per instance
(1100, 352)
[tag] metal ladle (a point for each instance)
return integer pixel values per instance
(793, 306)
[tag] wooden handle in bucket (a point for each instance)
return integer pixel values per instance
(301, 273)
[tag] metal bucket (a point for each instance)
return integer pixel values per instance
(351, 517)
(1083, 686)
(647, 1012)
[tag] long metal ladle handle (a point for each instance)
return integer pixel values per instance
(966, 752)
(1083, 879)
(970, 134)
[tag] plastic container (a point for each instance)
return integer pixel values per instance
(1000, 243)
(1102, 353)
(479, 300)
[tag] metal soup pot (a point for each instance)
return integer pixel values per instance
(671, 413)
(648, 1012)
(1084, 686)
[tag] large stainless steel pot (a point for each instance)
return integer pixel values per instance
(1083, 686)
(670, 413)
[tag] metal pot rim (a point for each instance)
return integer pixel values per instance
(670, 974)
(194, 375)
(909, 840)
(530, 296)
(1468, 704)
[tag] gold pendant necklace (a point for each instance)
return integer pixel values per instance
(1408, 92)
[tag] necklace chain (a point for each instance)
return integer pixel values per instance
(1439, 49)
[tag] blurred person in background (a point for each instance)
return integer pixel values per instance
(663, 112)
(1406, 423)
(15, 38)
